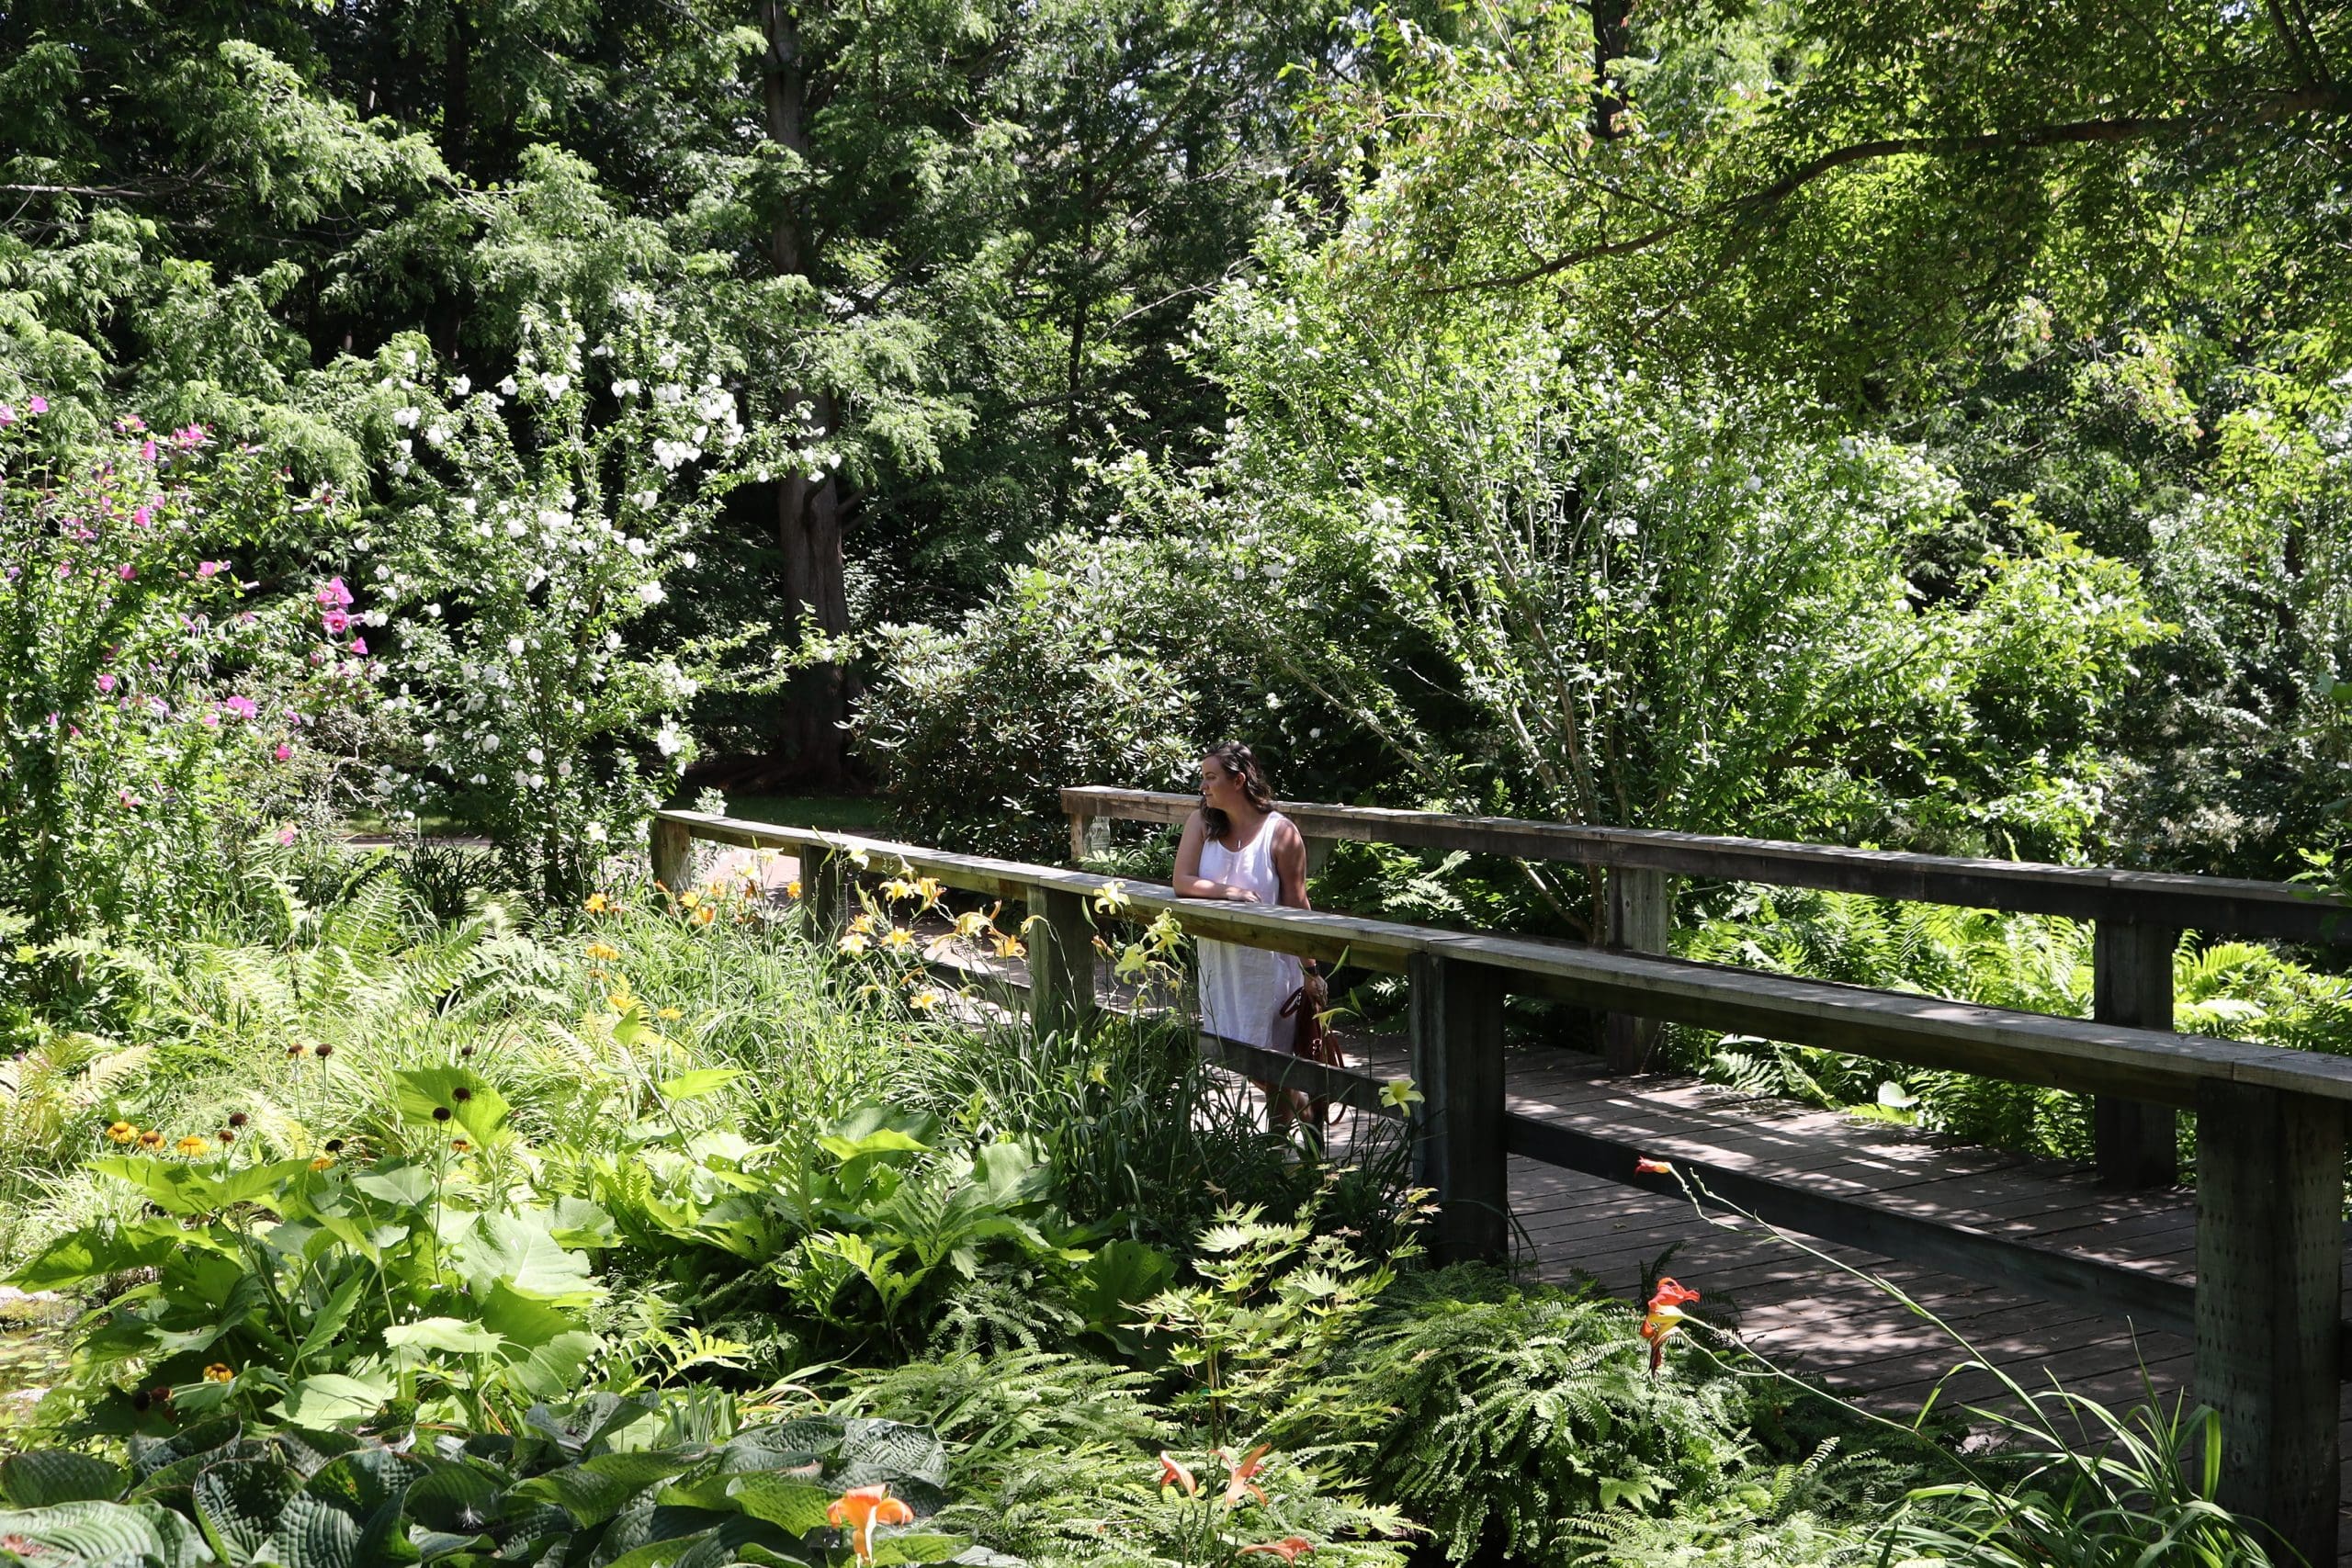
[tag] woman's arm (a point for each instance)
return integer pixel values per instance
(1190, 883)
(1290, 865)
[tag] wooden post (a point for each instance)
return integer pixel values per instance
(1318, 855)
(1061, 963)
(1641, 919)
(674, 854)
(1456, 1030)
(1080, 826)
(824, 893)
(2270, 1263)
(2133, 1143)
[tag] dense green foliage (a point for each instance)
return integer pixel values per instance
(668, 1232)
(1908, 426)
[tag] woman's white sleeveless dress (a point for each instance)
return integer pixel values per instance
(1243, 989)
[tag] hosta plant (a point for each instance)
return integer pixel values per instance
(603, 1482)
(322, 1289)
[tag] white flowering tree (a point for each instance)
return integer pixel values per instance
(533, 523)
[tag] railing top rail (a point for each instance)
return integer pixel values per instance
(2211, 904)
(2070, 1053)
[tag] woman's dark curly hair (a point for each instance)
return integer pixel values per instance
(1239, 762)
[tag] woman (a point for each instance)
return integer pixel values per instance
(1238, 846)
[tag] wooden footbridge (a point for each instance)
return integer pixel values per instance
(2235, 1294)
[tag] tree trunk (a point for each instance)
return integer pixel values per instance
(810, 744)
(1612, 39)
(446, 317)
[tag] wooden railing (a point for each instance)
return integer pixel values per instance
(2138, 915)
(2266, 1311)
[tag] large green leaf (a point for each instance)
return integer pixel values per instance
(518, 1251)
(545, 1349)
(333, 1316)
(575, 1223)
(459, 1498)
(403, 1185)
(701, 1081)
(189, 1189)
(472, 1105)
(790, 1503)
(93, 1533)
(149, 1455)
(50, 1476)
(324, 1398)
(238, 1505)
(452, 1335)
(787, 1445)
(349, 1515)
(94, 1253)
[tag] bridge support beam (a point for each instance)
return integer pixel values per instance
(1061, 963)
(1641, 919)
(1455, 1025)
(2133, 1143)
(2269, 1267)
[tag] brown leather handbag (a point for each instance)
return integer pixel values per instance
(1313, 1037)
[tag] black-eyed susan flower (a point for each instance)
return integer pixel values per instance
(122, 1133)
(321, 1162)
(150, 1140)
(219, 1371)
(191, 1146)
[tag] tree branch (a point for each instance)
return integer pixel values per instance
(2318, 99)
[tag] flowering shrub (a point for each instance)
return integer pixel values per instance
(154, 704)
(533, 523)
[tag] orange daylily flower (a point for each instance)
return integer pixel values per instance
(1290, 1549)
(859, 1509)
(1664, 1319)
(1241, 1472)
(705, 915)
(1172, 1474)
